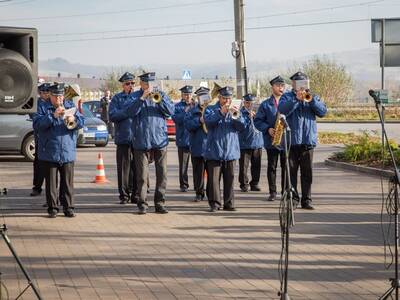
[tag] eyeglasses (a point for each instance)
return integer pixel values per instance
(129, 83)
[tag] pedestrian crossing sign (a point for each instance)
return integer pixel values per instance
(187, 75)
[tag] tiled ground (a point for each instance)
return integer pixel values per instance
(109, 252)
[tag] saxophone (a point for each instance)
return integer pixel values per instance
(279, 128)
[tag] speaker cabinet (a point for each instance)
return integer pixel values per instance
(18, 70)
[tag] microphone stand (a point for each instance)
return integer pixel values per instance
(395, 284)
(3, 233)
(286, 217)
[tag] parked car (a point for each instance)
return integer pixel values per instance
(94, 107)
(94, 132)
(16, 135)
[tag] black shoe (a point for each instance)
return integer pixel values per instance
(123, 201)
(255, 188)
(230, 208)
(35, 193)
(295, 203)
(198, 198)
(53, 214)
(134, 200)
(213, 208)
(272, 197)
(44, 205)
(69, 213)
(183, 189)
(161, 209)
(307, 205)
(244, 189)
(142, 210)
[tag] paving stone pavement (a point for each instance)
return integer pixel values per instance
(110, 252)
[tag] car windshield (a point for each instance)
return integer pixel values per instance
(86, 112)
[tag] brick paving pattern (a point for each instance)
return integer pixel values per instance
(109, 252)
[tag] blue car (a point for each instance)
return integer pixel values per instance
(94, 132)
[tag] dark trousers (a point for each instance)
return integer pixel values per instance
(184, 156)
(215, 170)
(301, 156)
(141, 158)
(38, 174)
(66, 193)
(199, 168)
(253, 157)
(273, 156)
(125, 172)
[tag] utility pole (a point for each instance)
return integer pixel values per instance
(238, 49)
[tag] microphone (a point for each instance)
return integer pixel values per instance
(284, 121)
(375, 95)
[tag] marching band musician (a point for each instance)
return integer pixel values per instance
(194, 123)
(301, 109)
(57, 148)
(251, 142)
(265, 122)
(222, 148)
(38, 174)
(150, 138)
(182, 135)
(123, 139)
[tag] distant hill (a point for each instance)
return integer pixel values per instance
(363, 65)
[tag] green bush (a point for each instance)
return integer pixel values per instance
(368, 150)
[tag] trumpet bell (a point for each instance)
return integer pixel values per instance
(156, 97)
(236, 115)
(307, 96)
(70, 124)
(214, 92)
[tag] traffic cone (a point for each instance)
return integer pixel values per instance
(101, 174)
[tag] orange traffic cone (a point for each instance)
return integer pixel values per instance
(101, 174)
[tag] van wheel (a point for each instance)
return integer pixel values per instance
(28, 147)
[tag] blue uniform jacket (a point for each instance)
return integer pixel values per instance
(222, 137)
(118, 114)
(265, 119)
(56, 142)
(197, 136)
(182, 135)
(301, 117)
(41, 103)
(249, 137)
(149, 126)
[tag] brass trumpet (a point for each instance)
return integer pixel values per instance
(70, 122)
(155, 97)
(307, 95)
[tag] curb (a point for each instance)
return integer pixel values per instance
(357, 121)
(357, 168)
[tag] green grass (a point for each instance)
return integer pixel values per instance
(392, 113)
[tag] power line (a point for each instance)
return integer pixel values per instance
(218, 21)
(205, 31)
(317, 9)
(117, 12)
(14, 2)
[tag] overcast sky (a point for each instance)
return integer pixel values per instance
(211, 47)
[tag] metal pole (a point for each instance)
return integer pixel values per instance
(241, 79)
(383, 41)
